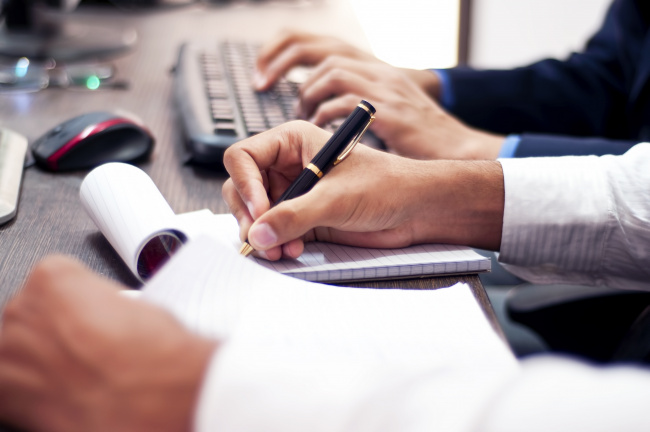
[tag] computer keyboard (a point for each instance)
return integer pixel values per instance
(216, 103)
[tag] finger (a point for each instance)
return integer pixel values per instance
(277, 44)
(392, 238)
(293, 249)
(337, 82)
(279, 182)
(297, 54)
(366, 69)
(285, 149)
(332, 109)
(297, 49)
(291, 220)
(247, 160)
(18, 390)
(237, 207)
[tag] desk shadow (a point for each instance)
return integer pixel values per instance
(115, 267)
(208, 172)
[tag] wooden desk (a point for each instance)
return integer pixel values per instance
(50, 216)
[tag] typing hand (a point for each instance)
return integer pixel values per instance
(77, 356)
(409, 121)
(294, 48)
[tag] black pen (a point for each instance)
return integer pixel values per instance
(337, 148)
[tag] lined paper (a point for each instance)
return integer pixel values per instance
(327, 262)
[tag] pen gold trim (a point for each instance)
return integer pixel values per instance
(356, 138)
(313, 168)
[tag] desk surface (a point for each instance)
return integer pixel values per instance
(50, 218)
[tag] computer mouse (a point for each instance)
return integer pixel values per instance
(92, 139)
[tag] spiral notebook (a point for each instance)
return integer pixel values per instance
(129, 210)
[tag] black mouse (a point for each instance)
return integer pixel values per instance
(92, 139)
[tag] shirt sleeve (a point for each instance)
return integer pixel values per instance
(560, 394)
(446, 92)
(582, 220)
(509, 147)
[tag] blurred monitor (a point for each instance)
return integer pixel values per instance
(44, 30)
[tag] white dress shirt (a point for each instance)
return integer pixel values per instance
(567, 220)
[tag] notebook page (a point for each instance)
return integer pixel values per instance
(126, 206)
(340, 344)
(327, 262)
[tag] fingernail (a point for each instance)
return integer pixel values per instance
(262, 235)
(249, 206)
(258, 80)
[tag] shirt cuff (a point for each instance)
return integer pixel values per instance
(509, 147)
(447, 99)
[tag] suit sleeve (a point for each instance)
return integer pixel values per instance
(584, 95)
(539, 145)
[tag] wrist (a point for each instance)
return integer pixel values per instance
(458, 202)
(481, 145)
(427, 80)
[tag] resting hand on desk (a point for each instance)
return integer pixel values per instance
(77, 356)
(411, 123)
(371, 199)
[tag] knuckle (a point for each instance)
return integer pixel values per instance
(290, 217)
(337, 76)
(231, 155)
(50, 267)
(12, 312)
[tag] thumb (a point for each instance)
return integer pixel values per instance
(289, 220)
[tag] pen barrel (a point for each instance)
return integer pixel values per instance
(301, 185)
(350, 128)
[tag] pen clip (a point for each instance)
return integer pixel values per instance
(354, 142)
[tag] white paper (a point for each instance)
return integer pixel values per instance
(126, 206)
(311, 348)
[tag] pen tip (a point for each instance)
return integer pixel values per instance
(246, 249)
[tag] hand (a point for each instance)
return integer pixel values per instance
(372, 199)
(410, 123)
(408, 120)
(75, 355)
(291, 48)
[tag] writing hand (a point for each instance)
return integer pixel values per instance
(77, 356)
(372, 199)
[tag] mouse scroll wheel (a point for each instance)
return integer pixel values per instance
(56, 130)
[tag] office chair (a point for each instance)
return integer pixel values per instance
(597, 323)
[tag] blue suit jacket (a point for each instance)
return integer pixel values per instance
(595, 102)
